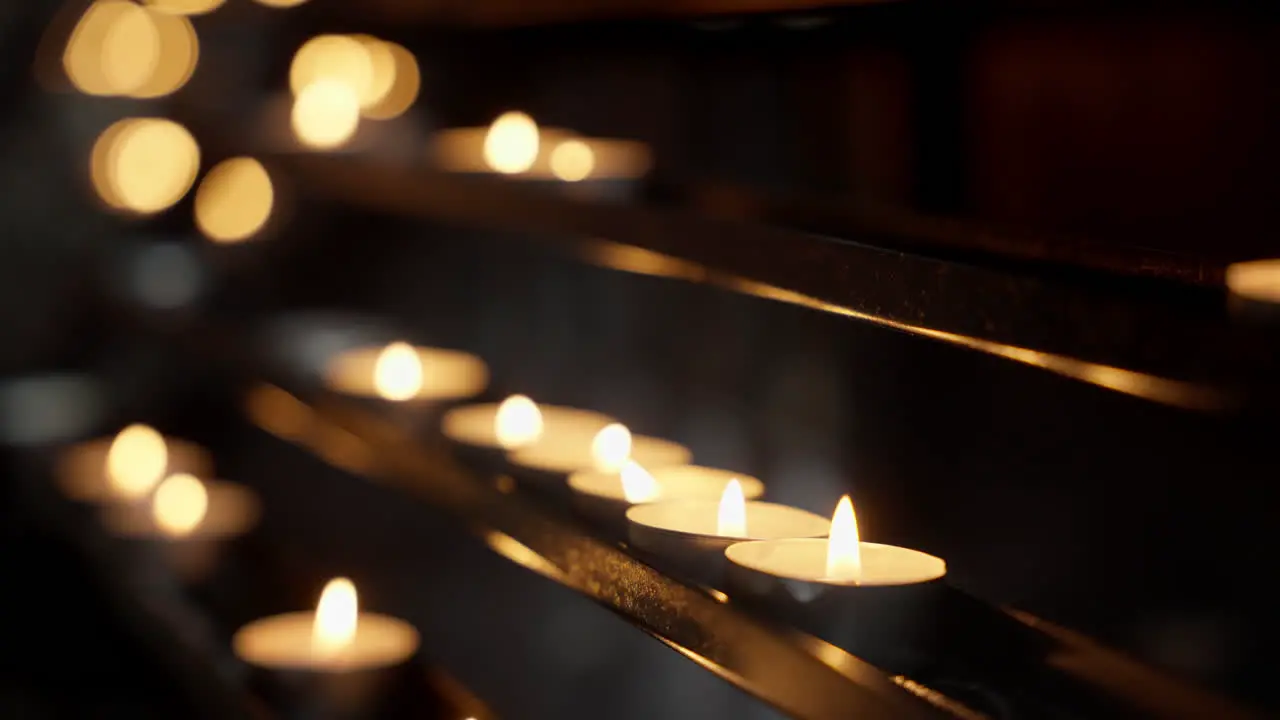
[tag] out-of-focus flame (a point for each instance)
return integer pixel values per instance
(234, 200)
(731, 518)
(397, 374)
(518, 422)
(382, 70)
(611, 447)
(144, 165)
(325, 114)
(336, 58)
(1257, 280)
(114, 49)
(185, 7)
(180, 504)
(136, 461)
(638, 486)
(511, 145)
(844, 553)
(572, 160)
(337, 616)
(179, 53)
(405, 83)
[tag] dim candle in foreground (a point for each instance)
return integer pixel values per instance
(607, 495)
(401, 372)
(692, 534)
(873, 600)
(341, 655)
(127, 468)
(188, 520)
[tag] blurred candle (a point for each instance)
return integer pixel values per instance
(190, 519)
(485, 432)
(341, 656)
(401, 372)
(606, 451)
(127, 467)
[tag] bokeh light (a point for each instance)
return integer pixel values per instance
(234, 200)
(121, 48)
(406, 80)
(144, 165)
(511, 145)
(280, 3)
(325, 114)
(336, 58)
(572, 160)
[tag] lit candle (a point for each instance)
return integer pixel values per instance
(189, 520)
(344, 657)
(515, 146)
(400, 372)
(606, 496)
(606, 451)
(486, 432)
(127, 468)
(692, 534)
(877, 601)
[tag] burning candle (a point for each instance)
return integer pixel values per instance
(692, 534)
(342, 657)
(189, 520)
(549, 460)
(874, 600)
(515, 146)
(607, 495)
(127, 468)
(488, 431)
(401, 372)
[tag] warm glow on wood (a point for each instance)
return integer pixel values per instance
(397, 375)
(511, 146)
(731, 519)
(337, 615)
(611, 447)
(180, 504)
(638, 486)
(518, 422)
(844, 551)
(136, 461)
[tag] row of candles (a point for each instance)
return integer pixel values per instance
(709, 523)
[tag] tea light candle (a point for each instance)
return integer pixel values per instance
(606, 496)
(874, 600)
(488, 431)
(341, 656)
(401, 372)
(126, 468)
(189, 520)
(516, 147)
(692, 535)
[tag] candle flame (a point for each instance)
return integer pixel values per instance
(337, 615)
(326, 113)
(511, 145)
(844, 553)
(572, 160)
(136, 461)
(611, 447)
(731, 520)
(638, 486)
(397, 374)
(180, 504)
(518, 422)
